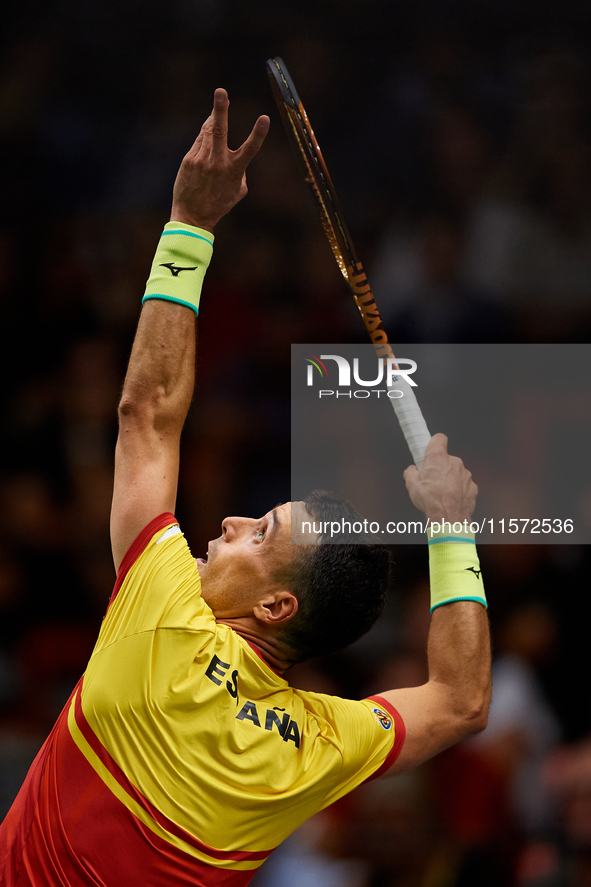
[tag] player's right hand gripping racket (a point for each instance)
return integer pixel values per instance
(307, 151)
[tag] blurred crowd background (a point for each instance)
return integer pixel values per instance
(459, 138)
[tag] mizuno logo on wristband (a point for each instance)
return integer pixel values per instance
(175, 270)
(475, 571)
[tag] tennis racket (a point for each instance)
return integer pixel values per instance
(315, 172)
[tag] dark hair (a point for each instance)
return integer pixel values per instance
(340, 585)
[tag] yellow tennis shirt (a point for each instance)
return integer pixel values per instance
(182, 757)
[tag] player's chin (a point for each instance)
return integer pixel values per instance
(201, 565)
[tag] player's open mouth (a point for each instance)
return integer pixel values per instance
(203, 560)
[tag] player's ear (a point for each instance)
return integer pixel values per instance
(280, 606)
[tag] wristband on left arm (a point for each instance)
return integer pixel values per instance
(182, 258)
(454, 568)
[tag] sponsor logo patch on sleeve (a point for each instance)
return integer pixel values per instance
(383, 718)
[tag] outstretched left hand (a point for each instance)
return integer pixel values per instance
(212, 178)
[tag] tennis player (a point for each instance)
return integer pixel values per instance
(183, 757)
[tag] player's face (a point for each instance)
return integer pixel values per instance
(240, 564)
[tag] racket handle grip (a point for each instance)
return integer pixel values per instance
(412, 423)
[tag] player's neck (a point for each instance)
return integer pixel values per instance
(270, 646)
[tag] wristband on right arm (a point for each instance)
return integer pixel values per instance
(454, 568)
(182, 258)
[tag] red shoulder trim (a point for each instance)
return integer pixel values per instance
(399, 735)
(137, 548)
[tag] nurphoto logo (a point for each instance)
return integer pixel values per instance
(395, 372)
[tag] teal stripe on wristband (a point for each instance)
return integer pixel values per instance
(455, 600)
(162, 298)
(187, 234)
(451, 539)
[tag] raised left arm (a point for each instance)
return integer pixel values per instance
(159, 383)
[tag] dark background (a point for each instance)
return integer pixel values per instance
(458, 136)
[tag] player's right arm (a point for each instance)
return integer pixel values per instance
(158, 386)
(455, 700)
